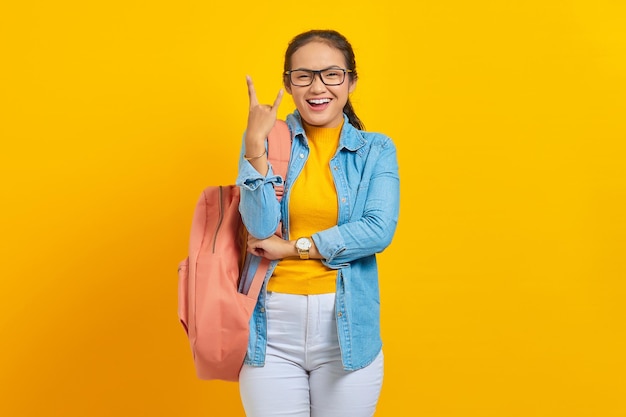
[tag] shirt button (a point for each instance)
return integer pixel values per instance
(336, 167)
(262, 309)
(301, 155)
(343, 200)
(339, 314)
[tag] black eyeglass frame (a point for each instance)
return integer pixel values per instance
(318, 72)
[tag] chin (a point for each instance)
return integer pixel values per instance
(319, 120)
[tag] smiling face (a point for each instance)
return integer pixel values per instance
(319, 104)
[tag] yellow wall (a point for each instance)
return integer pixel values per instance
(503, 290)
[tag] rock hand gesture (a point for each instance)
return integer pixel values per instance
(261, 119)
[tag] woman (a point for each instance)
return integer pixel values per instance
(315, 347)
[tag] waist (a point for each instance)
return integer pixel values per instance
(304, 277)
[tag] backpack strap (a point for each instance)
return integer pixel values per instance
(278, 152)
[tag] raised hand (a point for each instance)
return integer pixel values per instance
(261, 119)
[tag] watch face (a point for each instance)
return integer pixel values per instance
(303, 243)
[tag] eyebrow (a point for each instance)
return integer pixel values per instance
(323, 69)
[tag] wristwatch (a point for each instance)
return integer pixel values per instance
(303, 245)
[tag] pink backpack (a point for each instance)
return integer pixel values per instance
(214, 307)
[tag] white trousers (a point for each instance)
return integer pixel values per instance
(303, 375)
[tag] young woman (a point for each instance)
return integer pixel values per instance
(315, 348)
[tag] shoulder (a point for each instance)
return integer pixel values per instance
(377, 138)
(372, 139)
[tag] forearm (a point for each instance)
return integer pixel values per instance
(255, 152)
(259, 208)
(275, 247)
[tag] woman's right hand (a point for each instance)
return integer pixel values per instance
(261, 119)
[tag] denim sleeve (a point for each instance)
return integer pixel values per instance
(371, 230)
(259, 208)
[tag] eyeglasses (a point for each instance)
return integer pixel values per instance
(305, 77)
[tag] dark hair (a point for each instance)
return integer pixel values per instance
(336, 40)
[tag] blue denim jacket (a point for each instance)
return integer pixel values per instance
(365, 172)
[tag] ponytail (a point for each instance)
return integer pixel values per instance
(352, 117)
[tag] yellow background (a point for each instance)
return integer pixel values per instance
(503, 291)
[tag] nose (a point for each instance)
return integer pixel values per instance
(317, 83)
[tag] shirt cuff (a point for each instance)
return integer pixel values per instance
(330, 244)
(250, 179)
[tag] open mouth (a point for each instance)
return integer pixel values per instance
(318, 103)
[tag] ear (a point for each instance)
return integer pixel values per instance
(351, 86)
(287, 85)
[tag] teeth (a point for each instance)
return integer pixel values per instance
(320, 101)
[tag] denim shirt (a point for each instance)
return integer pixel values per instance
(365, 173)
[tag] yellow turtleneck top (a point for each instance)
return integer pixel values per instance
(312, 207)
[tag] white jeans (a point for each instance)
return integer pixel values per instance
(303, 375)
